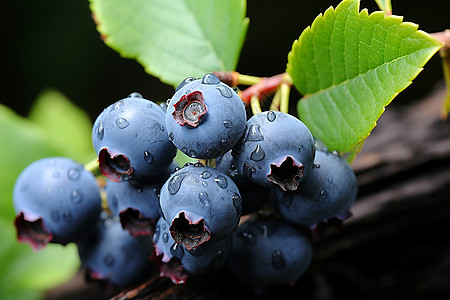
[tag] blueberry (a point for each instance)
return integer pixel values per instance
(253, 195)
(200, 203)
(277, 149)
(56, 200)
(269, 251)
(178, 263)
(327, 192)
(205, 117)
(130, 139)
(136, 204)
(115, 258)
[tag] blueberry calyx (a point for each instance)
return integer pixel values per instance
(32, 232)
(135, 223)
(189, 109)
(115, 167)
(190, 233)
(286, 173)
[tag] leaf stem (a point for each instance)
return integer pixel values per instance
(255, 105)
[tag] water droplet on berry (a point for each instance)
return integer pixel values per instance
(316, 165)
(184, 82)
(165, 237)
(74, 174)
(225, 91)
(171, 136)
(192, 153)
(100, 130)
(247, 170)
(174, 183)
(177, 251)
(148, 157)
(323, 194)
(67, 216)
(330, 180)
(210, 79)
(221, 181)
(271, 116)
(237, 203)
(122, 123)
(254, 133)
(55, 174)
(109, 260)
(135, 95)
(204, 184)
(227, 124)
(205, 174)
(149, 105)
(156, 234)
(257, 154)
(224, 143)
(161, 128)
(76, 196)
(249, 238)
(278, 259)
(204, 198)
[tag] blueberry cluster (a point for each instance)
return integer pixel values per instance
(187, 221)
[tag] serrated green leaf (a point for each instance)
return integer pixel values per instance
(174, 39)
(349, 65)
(65, 124)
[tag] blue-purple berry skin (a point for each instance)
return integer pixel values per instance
(328, 191)
(202, 199)
(113, 256)
(269, 251)
(136, 204)
(253, 196)
(178, 263)
(130, 139)
(56, 200)
(277, 150)
(205, 118)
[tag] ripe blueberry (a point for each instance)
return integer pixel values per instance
(56, 200)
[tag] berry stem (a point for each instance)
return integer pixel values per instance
(92, 166)
(248, 80)
(233, 78)
(285, 89)
(255, 105)
(265, 87)
(275, 104)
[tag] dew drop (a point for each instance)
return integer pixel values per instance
(221, 181)
(148, 157)
(330, 180)
(205, 174)
(225, 91)
(237, 203)
(74, 174)
(76, 196)
(55, 174)
(192, 153)
(247, 170)
(323, 194)
(100, 130)
(278, 259)
(227, 123)
(174, 183)
(165, 237)
(184, 82)
(161, 128)
(204, 184)
(316, 165)
(204, 198)
(156, 234)
(254, 133)
(67, 216)
(135, 95)
(210, 79)
(271, 116)
(224, 143)
(249, 238)
(177, 251)
(122, 123)
(171, 137)
(257, 154)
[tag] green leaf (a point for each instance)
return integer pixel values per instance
(65, 124)
(349, 65)
(174, 39)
